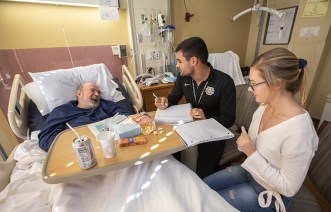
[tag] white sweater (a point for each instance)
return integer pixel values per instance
(283, 153)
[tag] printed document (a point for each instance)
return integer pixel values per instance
(177, 114)
(202, 131)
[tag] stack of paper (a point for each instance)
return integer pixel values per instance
(202, 131)
(177, 114)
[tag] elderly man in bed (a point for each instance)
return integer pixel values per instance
(88, 108)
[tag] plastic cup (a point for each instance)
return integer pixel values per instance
(107, 144)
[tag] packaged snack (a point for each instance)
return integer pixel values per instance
(138, 140)
(146, 123)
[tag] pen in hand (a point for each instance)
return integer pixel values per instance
(158, 98)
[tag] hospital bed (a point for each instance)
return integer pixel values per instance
(18, 107)
(163, 184)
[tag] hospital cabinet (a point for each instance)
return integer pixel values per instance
(161, 90)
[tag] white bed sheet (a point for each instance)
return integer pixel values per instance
(160, 185)
(26, 190)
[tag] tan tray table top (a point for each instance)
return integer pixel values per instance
(61, 163)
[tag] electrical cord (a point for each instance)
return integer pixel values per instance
(185, 6)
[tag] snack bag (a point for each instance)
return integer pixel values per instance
(145, 122)
(138, 140)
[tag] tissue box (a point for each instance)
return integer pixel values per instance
(126, 130)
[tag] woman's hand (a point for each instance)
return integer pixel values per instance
(245, 144)
(197, 113)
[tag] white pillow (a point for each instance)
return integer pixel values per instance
(59, 86)
(34, 93)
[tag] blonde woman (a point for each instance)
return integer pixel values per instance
(280, 143)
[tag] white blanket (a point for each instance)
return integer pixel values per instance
(160, 185)
(26, 190)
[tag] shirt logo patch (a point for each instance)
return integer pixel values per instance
(210, 91)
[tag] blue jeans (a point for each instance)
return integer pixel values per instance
(239, 189)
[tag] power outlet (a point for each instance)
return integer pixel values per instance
(157, 55)
(119, 50)
(140, 37)
(153, 54)
(115, 49)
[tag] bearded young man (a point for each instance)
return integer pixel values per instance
(88, 108)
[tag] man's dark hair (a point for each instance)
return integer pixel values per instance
(194, 47)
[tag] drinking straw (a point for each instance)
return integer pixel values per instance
(72, 129)
(109, 134)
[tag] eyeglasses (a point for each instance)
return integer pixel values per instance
(252, 85)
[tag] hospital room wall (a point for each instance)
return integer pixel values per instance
(36, 37)
(76, 34)
(212, 22)
(315, 49)
(41, 37)
(28, 25)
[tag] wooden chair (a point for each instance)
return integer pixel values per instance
(319, 174)
(245, 107)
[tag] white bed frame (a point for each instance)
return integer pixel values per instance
(132, 89)
(18, 101)
(18, 123)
